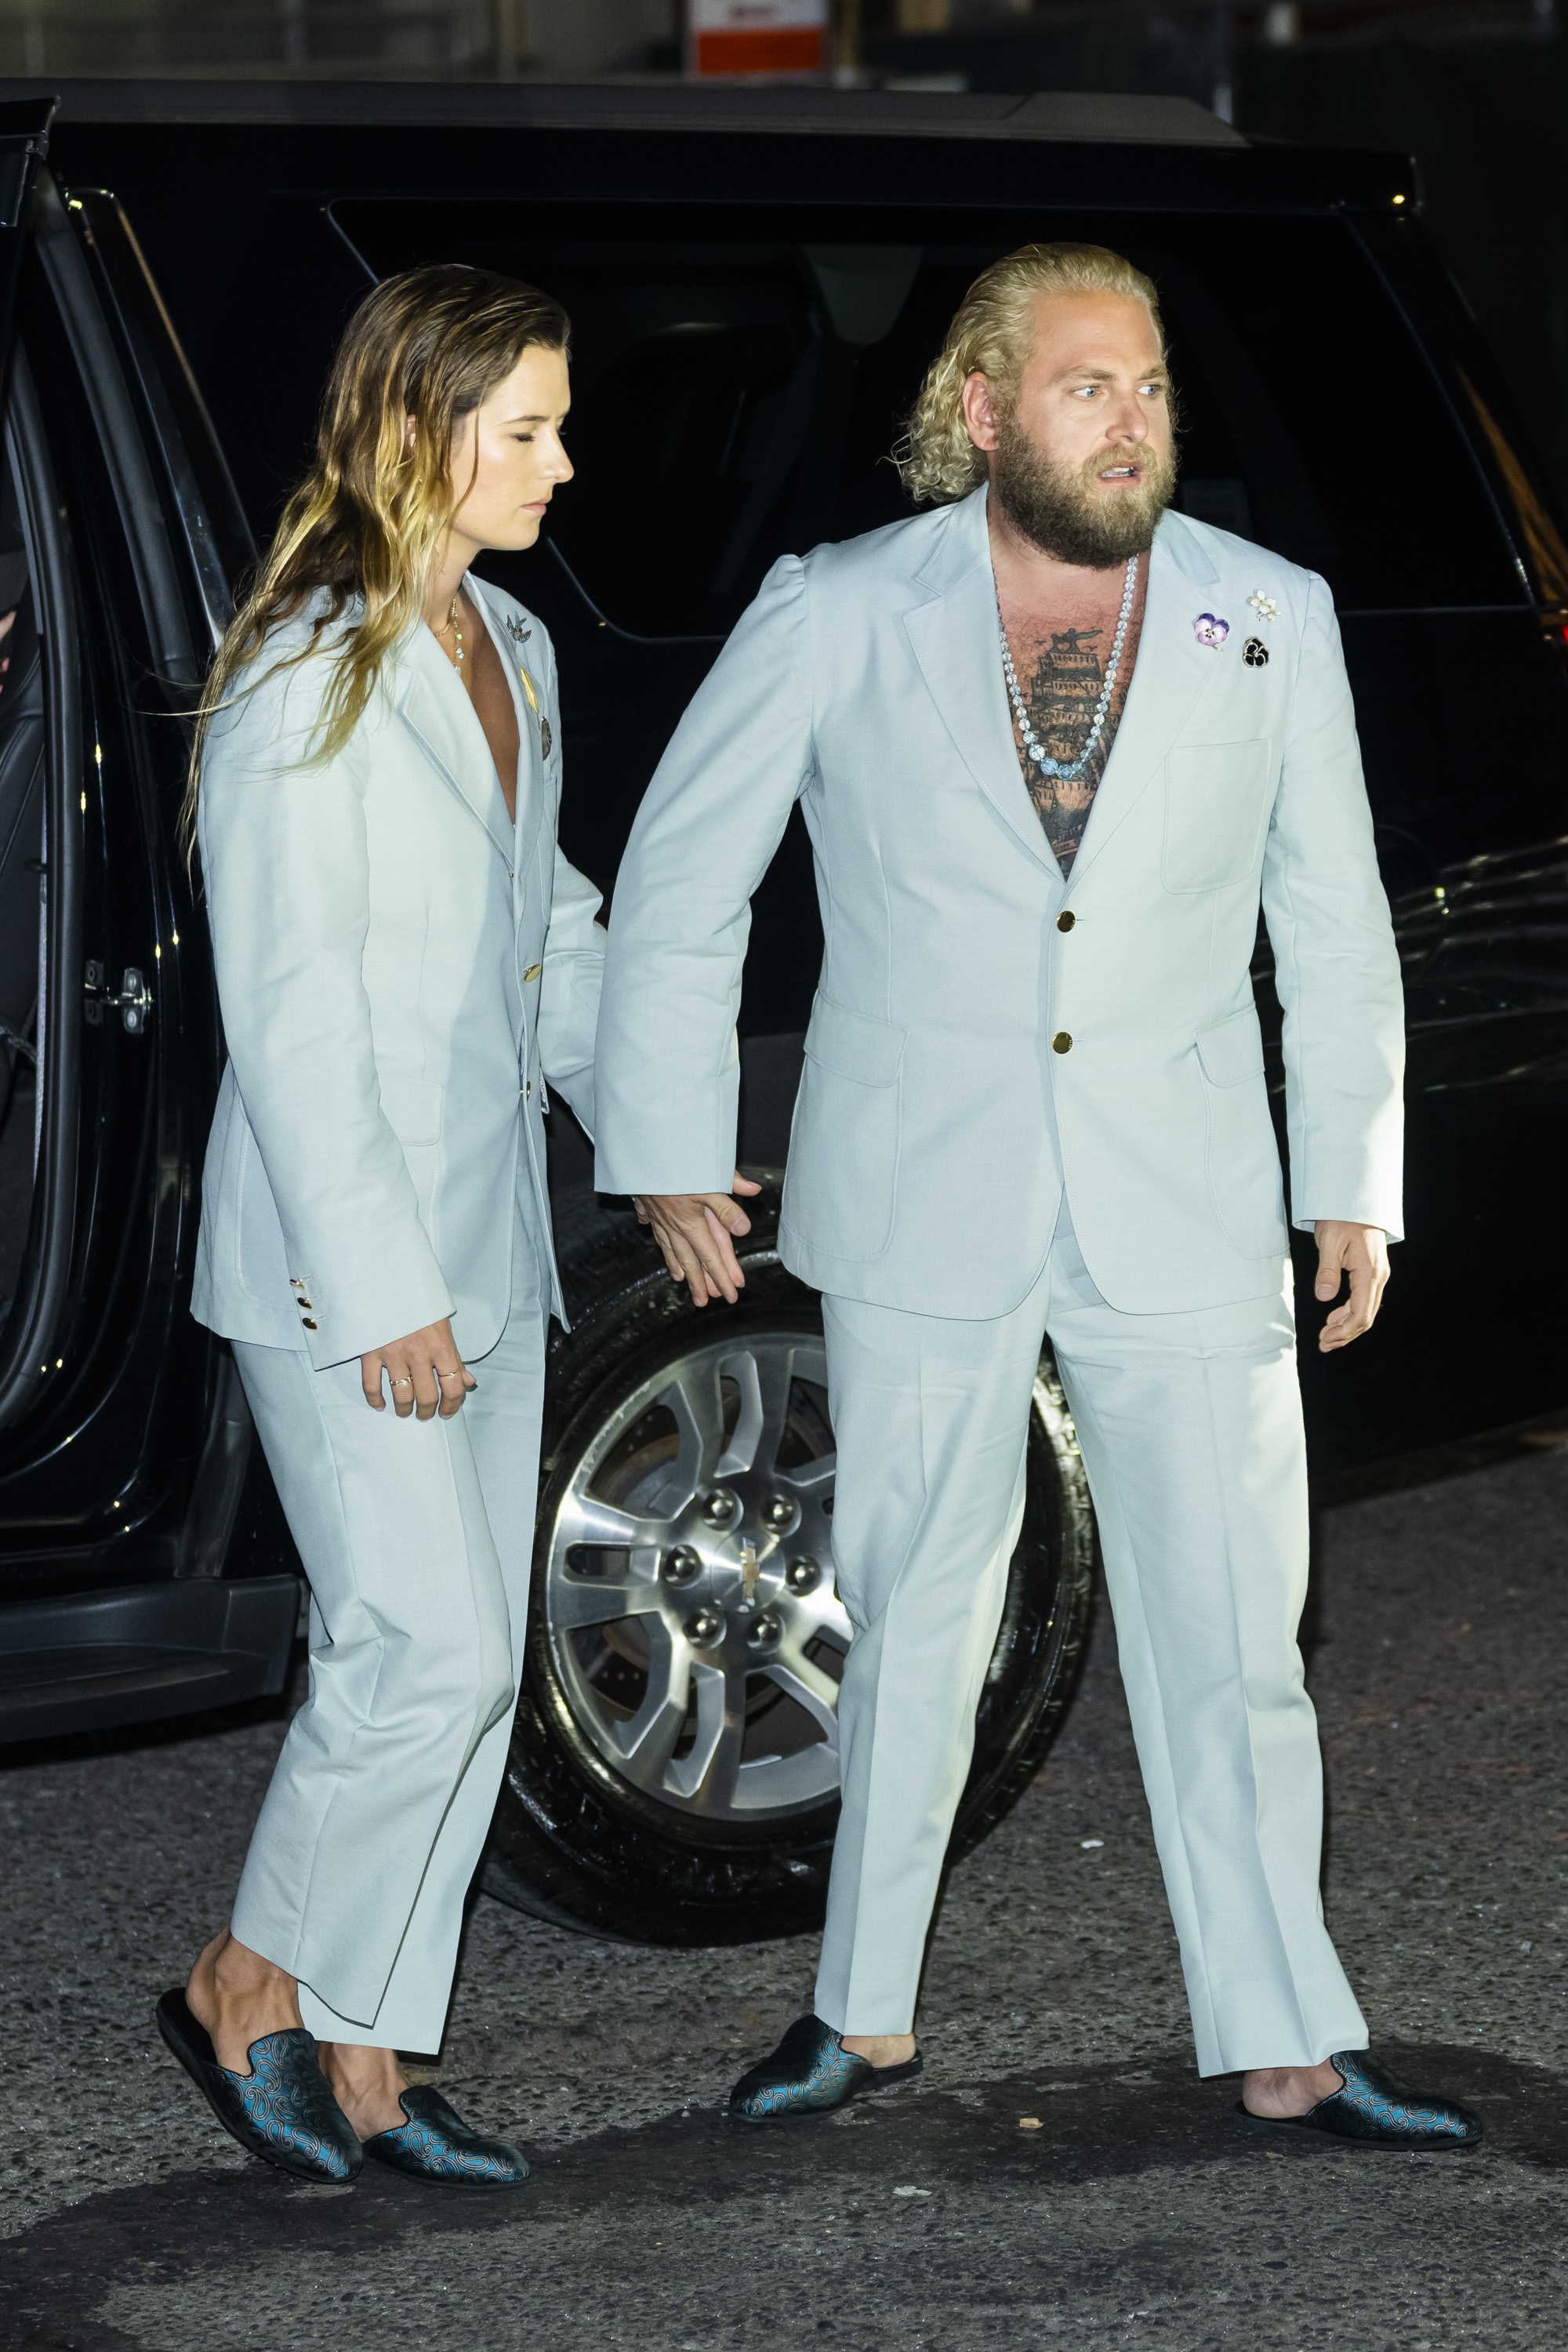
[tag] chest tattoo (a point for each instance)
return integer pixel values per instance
(1060, 673)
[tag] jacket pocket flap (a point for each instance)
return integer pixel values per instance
(853, 1043)
(1233, 1050)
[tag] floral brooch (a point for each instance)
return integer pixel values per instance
(1211, 631)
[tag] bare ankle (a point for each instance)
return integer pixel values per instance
(1288, 2091)
(238, 1997)
(366, 2083)
(881, 2049)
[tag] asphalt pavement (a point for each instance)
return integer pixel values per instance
(1058, 2175)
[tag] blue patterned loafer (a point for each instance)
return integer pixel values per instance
(810, 2074)
(282, 2110)
(436, 2144)
(1374, 2108)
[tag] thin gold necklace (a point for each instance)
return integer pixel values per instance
(452, 623)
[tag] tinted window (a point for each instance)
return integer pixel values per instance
(738, 381)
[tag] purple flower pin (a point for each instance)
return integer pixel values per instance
(1210, 630)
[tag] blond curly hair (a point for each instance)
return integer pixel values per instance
(992, 334)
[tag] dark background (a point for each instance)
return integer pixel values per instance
(1478, 94)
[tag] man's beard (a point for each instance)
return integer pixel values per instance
(1064, 511)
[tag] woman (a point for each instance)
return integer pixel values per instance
(403, 957)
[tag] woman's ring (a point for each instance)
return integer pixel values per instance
(450, 1376)
(407, 1383)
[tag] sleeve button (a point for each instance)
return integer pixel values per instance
(310, 1325)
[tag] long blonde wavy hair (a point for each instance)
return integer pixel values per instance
(370, 517)
(992, 334)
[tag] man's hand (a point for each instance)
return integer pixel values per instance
(425, 1372)
(693, 1230)
(1362, 1251)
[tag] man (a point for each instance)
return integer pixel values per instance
(1052, 742)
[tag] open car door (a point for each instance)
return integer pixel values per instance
(143, 1570)
(25, 821)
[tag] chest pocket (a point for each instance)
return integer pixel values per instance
(1217, 804)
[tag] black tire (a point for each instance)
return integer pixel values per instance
(575, 1840)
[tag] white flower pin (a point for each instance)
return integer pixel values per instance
(1264, 606)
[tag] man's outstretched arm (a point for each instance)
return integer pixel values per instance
(667, 1069)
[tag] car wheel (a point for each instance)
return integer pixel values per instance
(673, 1771)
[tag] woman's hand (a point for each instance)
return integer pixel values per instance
(425, 1372)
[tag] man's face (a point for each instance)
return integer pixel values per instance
(1083, 462)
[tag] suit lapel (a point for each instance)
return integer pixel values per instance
(1172, 672)
(530, 763)
(956, 642)
(436, 711)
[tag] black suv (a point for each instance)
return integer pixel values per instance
(756, 286)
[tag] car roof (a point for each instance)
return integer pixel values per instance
(1137, 119)
(1134, 150)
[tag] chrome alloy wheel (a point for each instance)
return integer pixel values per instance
(689, 1595)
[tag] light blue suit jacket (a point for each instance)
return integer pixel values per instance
(398, 966)
(935, 1124)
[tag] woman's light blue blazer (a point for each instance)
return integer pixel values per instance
(400, 968)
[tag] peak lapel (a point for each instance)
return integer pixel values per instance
(435, 709)
(1172, 672)
(956, 642)
(530, 762)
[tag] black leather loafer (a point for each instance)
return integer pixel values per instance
(282, 2110)
(810, 2074)
(1374, 2108)
(436, 2144)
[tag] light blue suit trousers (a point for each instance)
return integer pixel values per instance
(416, 1538)
(1190, 1425)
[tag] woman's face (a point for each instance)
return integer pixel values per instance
(515, 437)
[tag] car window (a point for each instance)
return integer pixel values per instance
(739, 380)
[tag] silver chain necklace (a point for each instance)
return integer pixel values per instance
(1071, 770)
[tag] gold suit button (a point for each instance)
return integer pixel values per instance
(304, 1304)
(532, 974)
(1061, 1043)
(309, 1325)
(1066, 919)
(528, 1090)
